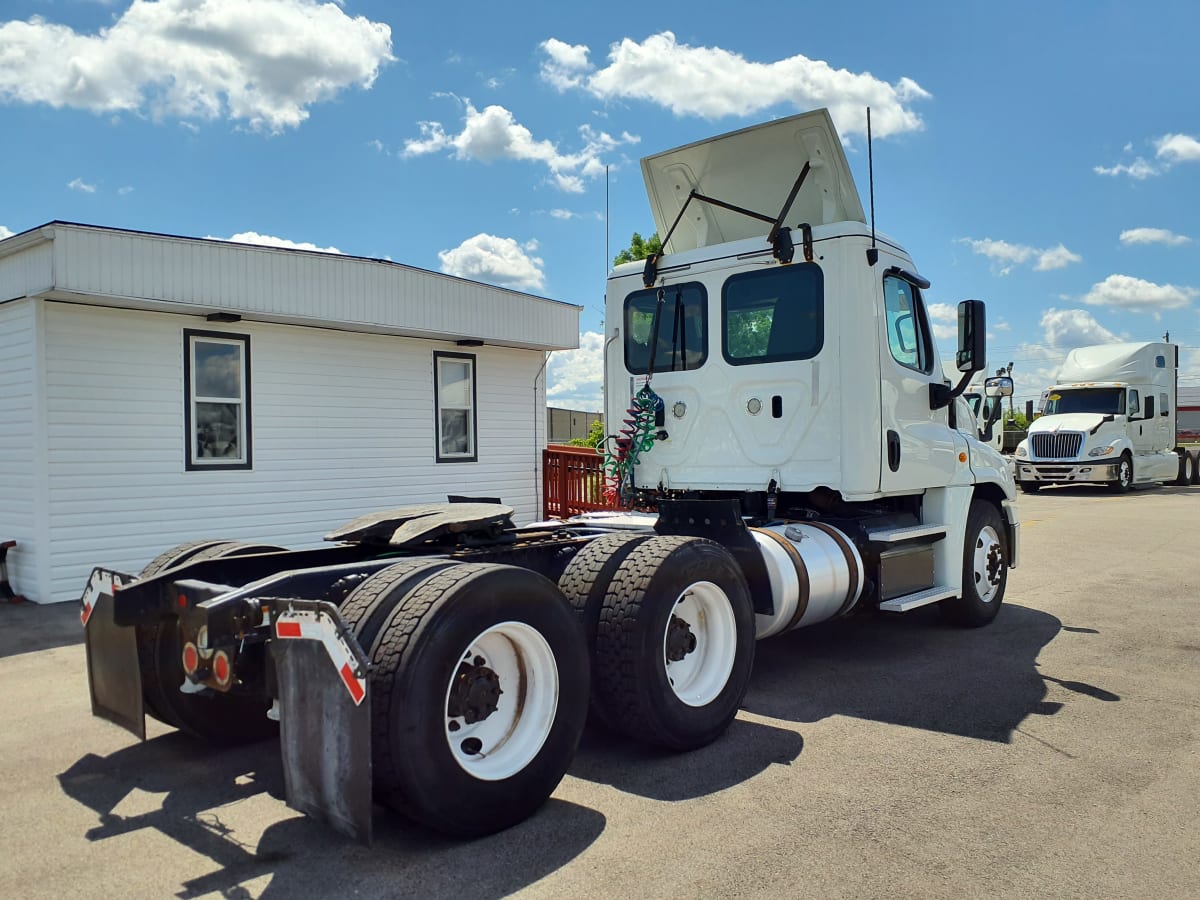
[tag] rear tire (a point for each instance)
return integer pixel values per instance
(584, 583)
(1124, 480)
(1196, 467)
(368, 607)
(675, 643)
(212, 715)
(1186, 467)
(984, 571)
(479, 696)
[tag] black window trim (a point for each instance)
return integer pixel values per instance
(191, 463)
(437, 408)
(779, 357)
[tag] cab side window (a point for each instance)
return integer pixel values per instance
(1135, 407)
(907, 328)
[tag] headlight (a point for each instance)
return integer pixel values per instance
(1021, 452)
(1100, 451)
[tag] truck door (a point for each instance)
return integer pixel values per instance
(919, 449)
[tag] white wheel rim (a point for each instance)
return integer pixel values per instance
(699, 677)
(1125, 474)
(506, 740)
(987, 543)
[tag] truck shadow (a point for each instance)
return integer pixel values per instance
(201, 788)
(744, 751)
(914, 670)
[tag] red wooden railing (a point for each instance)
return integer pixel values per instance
(572, 481)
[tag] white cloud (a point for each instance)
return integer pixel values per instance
(1139, 169)
(124, 189)
(267, 240)
(78, 184)
(263, 63)
(1137, 295)
(1177, 148)
(493, 134)
(563, 214)
(1168, 149)
(1056, 258)
(1005, 255)
(1002, 326)
(575, 378)
(495, 260)
(711, 82)
(1153, 236)
(945, 320)
(5, 233)
(1069, 328)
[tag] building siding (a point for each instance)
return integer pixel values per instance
(302, 287)
(18, 456)
(342, 424)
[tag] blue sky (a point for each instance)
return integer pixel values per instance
(1043, 157)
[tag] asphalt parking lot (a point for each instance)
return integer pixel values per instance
(1054, 754)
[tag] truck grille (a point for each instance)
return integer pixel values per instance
(1064, 445)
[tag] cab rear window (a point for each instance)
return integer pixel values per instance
(773, 315)
(682, 339)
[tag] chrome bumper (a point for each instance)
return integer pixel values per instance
(1065, 473)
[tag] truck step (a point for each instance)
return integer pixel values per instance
(920, 598)
(907, 533)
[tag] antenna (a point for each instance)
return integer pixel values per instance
(607, 257)
(872, 251)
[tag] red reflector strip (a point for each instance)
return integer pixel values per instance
(288, 630)
(352, 685)
(85, 613)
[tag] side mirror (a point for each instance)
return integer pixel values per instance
(972, 337)
(998, 386)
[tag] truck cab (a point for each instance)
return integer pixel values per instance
(1109, 419)
(797, 375)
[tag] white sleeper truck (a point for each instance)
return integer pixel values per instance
(785, 439)
(1109, 419)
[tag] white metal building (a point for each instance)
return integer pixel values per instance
(155, 389)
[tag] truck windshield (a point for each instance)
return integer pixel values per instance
(1105, 401)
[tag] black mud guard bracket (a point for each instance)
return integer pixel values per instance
(721, 521)
(114, 673)
(324, 715)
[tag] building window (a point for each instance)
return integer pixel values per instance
(454, 401)
(216, 373)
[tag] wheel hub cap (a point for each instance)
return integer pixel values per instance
(476, 692)
(680, 640)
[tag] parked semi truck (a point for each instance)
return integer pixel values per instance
(1110, 418)
(790, 436)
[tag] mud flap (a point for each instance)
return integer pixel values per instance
(324, 717)
(114, 674)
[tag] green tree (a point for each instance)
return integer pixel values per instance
(595, 436)
(639, 248)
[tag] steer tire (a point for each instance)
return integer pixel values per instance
(1183, 475)
(663, 582)
(444, 637)
(1124, 480)
(227, 718)
(368, 607)
(985, 557)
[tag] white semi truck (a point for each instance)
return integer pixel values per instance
(1110, 418)
(791, 436)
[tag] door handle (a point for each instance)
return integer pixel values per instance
(893, 447)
